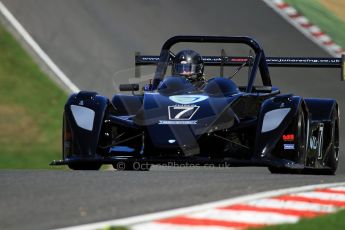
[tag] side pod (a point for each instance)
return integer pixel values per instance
(83, 119)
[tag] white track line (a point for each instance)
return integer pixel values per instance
(321, 196)
(252, 217)
(141, 219)
(340, 188)
(37, 49)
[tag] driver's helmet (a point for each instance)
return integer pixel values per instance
(189, 64)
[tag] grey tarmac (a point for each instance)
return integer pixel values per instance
(93, 42)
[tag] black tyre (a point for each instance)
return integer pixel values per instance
(66, 137)
(276, 170)
(299, 128)
(333, 157)
(84, 166)
(131, 166)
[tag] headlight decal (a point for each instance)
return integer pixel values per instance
(273, 119)
(83, 116)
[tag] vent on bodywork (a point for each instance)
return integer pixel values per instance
(247, 106)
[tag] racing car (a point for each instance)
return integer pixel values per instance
(173, 122)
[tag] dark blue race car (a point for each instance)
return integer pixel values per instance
(175, 121)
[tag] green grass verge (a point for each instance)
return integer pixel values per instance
(330, 222)
(116, 228)
(31, 107)
(322, 17)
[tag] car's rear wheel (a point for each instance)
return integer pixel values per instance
(333, 157)
(299, 128)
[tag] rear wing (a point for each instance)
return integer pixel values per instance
(317, 62)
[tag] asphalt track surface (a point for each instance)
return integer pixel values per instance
(91, 41)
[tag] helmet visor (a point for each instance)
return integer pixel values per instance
(185, 69)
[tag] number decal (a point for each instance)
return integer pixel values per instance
(182, 112)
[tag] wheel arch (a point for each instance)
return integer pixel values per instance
(267, 141)
(84, 112)
(321, 109)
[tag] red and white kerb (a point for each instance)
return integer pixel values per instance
(288, 208)
(305, 26)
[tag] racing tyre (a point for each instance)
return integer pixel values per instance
(299, 125)
(333, 158)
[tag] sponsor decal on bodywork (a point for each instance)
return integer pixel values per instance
(289, 146)
(288, 137)
(172, 122)
(313, 142)
(187, 99)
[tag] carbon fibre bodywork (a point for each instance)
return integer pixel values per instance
(177, 123)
